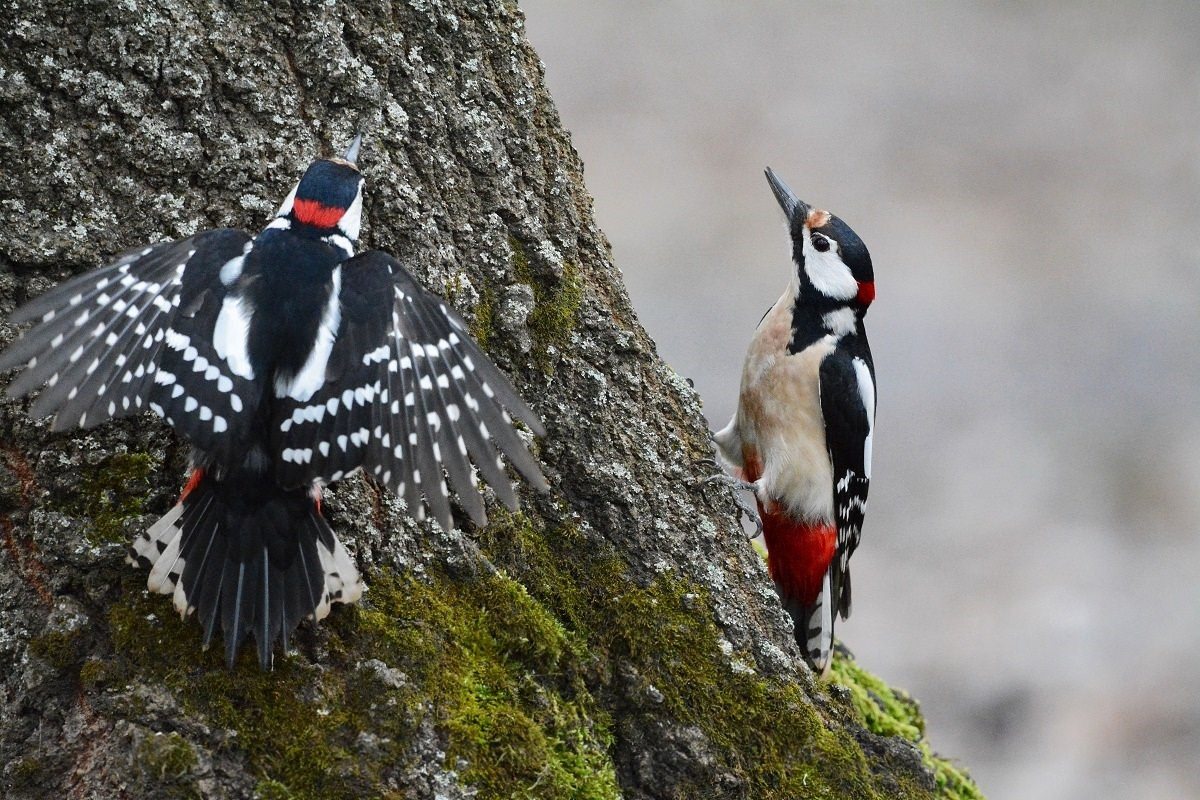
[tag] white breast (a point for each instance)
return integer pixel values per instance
(779, 417)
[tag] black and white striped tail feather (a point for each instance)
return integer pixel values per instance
(226, 566)
(814, 627)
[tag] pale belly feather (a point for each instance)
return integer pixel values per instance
(779, 419)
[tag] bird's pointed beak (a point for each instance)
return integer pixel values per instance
(351, 153)
(793, 207)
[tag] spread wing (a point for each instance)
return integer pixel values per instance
(118, 340)
(407, 395)
(848, 405)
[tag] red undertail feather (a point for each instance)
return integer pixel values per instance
(798, 554)
(310, 212)
(192, 482)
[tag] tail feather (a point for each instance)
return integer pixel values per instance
(150, 544)
(814, 627)
(342, 584)
(247, 557)
(801, 562)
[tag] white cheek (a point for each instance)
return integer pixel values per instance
(351, 221)
(286, 207)
(828, 274)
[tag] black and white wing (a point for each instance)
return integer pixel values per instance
(119, 340)
(848, 405)
(408, 396)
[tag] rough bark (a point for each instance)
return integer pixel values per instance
(617, 638)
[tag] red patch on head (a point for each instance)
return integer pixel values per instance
(866, 292)
(310, 212)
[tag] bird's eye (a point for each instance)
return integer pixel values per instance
(820, 242)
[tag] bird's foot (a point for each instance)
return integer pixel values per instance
(737, 486)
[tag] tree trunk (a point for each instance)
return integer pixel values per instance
(618, 638)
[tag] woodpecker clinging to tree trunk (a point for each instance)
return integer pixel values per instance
(801, 436)
(286, 361)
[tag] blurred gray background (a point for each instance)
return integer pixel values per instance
(1028, 182)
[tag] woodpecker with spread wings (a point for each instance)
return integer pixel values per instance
(801, 437)
(287, 362)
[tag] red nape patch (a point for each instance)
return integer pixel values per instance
(310, 212)
(192, 482)
(798, 554)
(866, 292)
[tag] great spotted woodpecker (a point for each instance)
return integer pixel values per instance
(801, 436)
(287, 362)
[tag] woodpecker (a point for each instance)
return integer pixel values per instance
(801, 436)
(287, 362)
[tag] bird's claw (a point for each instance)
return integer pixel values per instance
(735, 486)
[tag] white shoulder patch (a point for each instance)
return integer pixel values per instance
(866, 390)
(311, 376)
(231, 334)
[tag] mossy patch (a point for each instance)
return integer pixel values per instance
(538, 679)
(892, 712)
(504, 678)
(485, 317)
(294, 724)
(501, 679)
(556, 304)
(112, 492)
(272, 790)
(94, 673)
(26, 773)
(60, 649)
(166, 756)
(763, 735)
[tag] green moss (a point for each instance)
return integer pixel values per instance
(485, 317)
(272, 790)
(556, 304)
(766, 734)
(167, 756)
(94, 672)
(891, 712)
(292, 723)
(505, 680)
(26, 773)
(885, 711)
(499, 675)
(537, 679)
(60, 649)
(112, 492)
(555, 314)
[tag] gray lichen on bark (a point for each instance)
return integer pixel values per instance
(617, 638)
